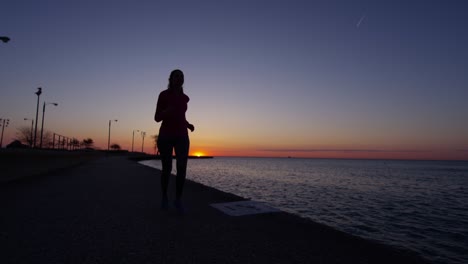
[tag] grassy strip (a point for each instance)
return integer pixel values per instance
(21, 163)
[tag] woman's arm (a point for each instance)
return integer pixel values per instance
(190, 126)
(160, 113)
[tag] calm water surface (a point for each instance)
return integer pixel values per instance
(418, 205)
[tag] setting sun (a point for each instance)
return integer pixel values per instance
(198, 154)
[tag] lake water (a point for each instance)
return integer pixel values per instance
(418, 205)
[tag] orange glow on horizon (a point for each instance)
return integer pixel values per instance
(198, 154)
(338, 154)
(235, 147)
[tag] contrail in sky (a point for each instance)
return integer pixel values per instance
(360, 21)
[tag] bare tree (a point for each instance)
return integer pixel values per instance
(155, 142)
(47, 139)
(75, 143)
(115, 146)
(24, 135)
(88, 142)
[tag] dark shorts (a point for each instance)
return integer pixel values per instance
(181, 145)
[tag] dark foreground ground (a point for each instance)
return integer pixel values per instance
(106, 210)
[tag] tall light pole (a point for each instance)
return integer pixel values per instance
(133, 136)
(32, 125)
(43, 113)
(143, 134)
(4, 123)
(38, 93)
(108, 139)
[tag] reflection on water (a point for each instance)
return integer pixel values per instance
(420, 205)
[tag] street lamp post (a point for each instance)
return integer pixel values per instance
(32, 125)
(143, 134)
(133, 137)
(43, 113)
(4, 39)
(4, 123)
(108, 139)
(38, 93)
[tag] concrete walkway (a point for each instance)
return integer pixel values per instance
(107, 211)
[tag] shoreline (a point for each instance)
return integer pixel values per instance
(387, 240)
(294, 217)
(307, 220)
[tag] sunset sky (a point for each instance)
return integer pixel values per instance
(341, 79)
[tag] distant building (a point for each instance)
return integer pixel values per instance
(16, 144)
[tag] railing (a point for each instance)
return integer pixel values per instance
(65, 143)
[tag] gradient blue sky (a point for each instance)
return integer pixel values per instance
(265, 78)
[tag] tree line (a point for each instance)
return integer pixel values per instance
(25, 135)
